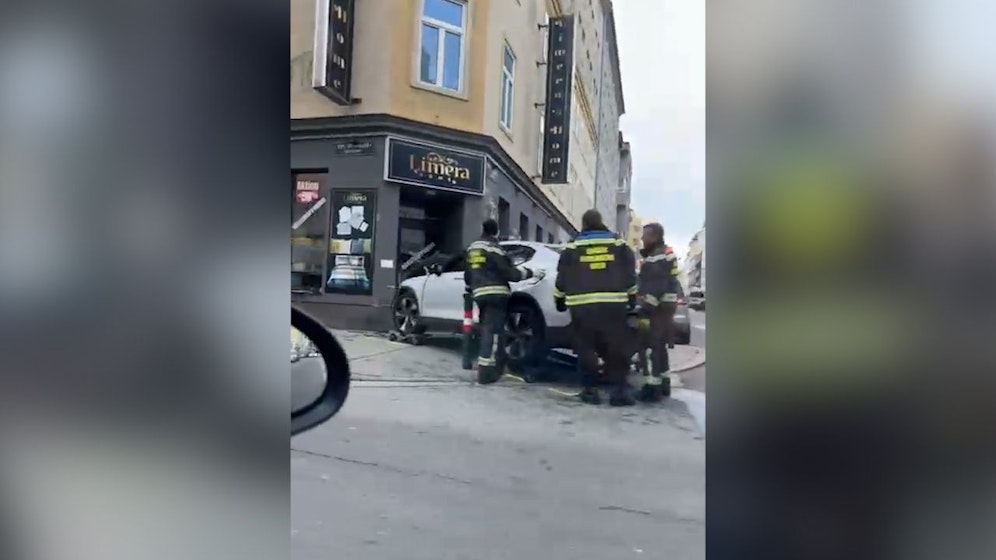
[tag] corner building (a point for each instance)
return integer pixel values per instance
(411, 122)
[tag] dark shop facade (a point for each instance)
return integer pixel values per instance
(372, 195)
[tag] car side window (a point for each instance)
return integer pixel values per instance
(455, 264)
(519, 254)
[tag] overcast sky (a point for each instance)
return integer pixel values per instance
(662, 59)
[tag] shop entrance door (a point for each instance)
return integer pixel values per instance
(430, 232)
(430, 223)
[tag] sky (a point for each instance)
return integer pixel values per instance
(662, 63)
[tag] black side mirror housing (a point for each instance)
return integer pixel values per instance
(337, 375)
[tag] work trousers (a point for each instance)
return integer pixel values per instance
(493, 311)
(660, 335)
(602, 331)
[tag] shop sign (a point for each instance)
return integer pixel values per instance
(333, 64)
(557, 118)
(354, 148)
(430, 166)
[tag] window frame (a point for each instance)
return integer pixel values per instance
(506, 103)
(443, 28)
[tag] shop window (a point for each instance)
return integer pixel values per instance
(523, 227)
(442, 44)
(350, 255)
(539, 234)
(309, 232)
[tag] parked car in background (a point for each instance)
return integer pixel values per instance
(696, 299)
(682, 325)
(433, 303)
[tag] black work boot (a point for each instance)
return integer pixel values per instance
(650, 393)
(621, 396)
(488, 374)
(590, 395)
(665, 386)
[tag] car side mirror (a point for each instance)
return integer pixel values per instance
(319, 372)
(434, 269)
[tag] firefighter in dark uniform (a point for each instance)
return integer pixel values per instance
(658, 287)
(488, 274)
(596, 281)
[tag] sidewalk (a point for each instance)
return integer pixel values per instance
(373, 357)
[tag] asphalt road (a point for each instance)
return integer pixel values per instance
(410, 472)
(697, 321)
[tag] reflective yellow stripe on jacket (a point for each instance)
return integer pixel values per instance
(486, 247)
(596, 297)
(586, 242)
(491, 291)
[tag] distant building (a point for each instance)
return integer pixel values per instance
(635, 234)
(624, 193)
(693, 272)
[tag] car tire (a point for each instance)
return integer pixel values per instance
(405, 314)
(525, 337)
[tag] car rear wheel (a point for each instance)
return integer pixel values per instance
(525, 337)
(406, 313)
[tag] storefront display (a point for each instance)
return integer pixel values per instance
(350, 262)
(309, 215)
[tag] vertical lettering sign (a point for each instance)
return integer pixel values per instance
(333, 65)
(557, 120)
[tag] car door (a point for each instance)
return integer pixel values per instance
(442, 294)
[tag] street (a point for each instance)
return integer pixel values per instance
(697, 320)
(423, 464)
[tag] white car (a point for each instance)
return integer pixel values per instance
(433, 302)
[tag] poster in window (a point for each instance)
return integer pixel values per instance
(350, 266)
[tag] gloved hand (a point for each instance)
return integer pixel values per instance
(561, 304)
(631, 303)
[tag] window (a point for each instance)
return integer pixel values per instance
(507, 88)
(442, 43)
(523, 227)
(503, 216)
(455, 264)
(309, 232)
(549, 238)
(518, 254)
(539, 234)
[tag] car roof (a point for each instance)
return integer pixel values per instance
(533, 244)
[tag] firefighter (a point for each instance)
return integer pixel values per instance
(596, 281)
(488, 274)
(658, 287)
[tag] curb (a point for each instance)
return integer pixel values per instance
(691, 365)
